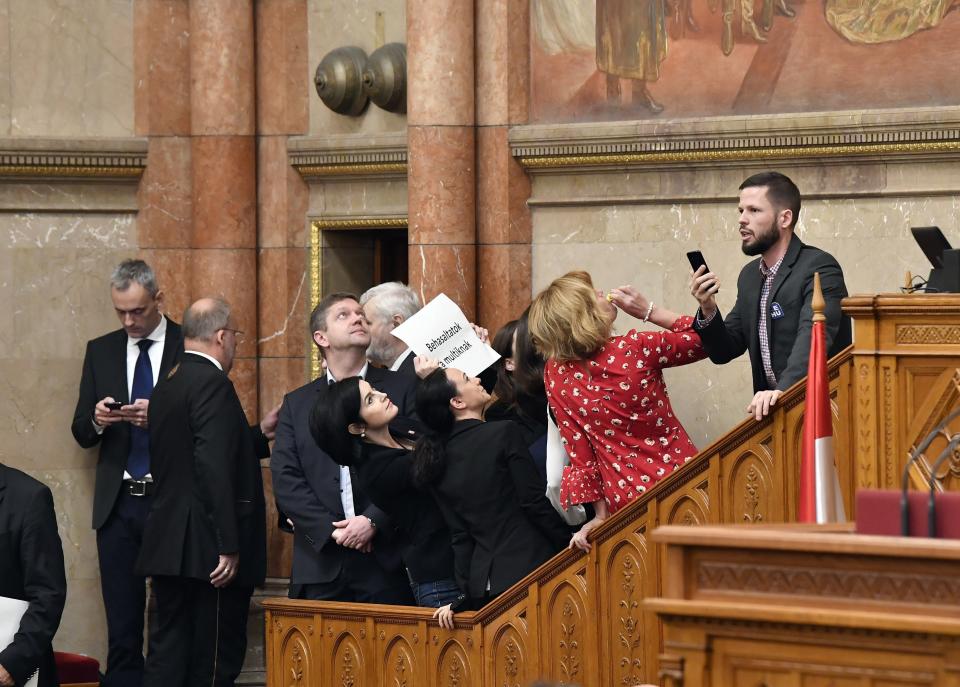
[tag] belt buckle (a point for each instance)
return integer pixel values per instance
(138, 487)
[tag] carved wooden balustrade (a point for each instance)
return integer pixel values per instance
(579, 617)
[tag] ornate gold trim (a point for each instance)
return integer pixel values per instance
(360, 223)
(315, 238)
(71, 172)
(738, 155)
(351, 169)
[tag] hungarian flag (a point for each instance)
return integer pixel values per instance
(820, 498)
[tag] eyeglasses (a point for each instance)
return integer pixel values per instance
(237, 333)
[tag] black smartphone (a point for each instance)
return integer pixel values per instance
(696, 260)
(114, 405)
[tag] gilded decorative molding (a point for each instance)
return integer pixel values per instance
(752, 154)
(923, 334)
(569, 646)
(873, 585)
(70, 172)
(87, 159)
(356, 169)
(349, 155)
(344, 223)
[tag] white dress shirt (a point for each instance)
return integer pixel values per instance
(346, 483)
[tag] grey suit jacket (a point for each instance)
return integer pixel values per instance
(726, 338)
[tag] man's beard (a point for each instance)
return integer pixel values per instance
(380, 354)
(761, 241)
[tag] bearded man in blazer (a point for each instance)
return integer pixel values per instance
(343, 547)
(204, 543)
(31, 569)
(772, 315)
(123, 367)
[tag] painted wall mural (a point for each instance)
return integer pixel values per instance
(596, 60)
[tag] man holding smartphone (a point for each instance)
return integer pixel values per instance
(120, 370)
(772, 315)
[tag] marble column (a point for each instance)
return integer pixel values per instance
(161, 63)
(283, 280)
(441, 150)
(223, 171)
(504, 228)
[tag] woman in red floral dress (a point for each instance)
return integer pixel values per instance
(607, 393)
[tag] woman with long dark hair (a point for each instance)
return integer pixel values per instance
(358, 426)
(486, 485)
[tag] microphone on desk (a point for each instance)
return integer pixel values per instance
(905, 481)
(932, 505)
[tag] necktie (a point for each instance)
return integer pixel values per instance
(138, 462)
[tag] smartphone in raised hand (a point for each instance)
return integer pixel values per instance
(697, 261)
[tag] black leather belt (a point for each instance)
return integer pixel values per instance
(138, 487)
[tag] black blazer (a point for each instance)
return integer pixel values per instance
(494, 502)
(105, 374)
(386, 476)
(208, 498)
(31, 569)
(727, 338)
(306, 483)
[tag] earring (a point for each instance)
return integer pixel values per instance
(363, 434)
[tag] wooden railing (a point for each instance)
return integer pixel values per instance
(579, 618)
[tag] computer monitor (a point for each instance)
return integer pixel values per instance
(945, 275)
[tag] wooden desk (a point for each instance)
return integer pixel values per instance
(807, 606)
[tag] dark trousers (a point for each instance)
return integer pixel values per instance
(362, 580)
(124, 593)
(201, 634)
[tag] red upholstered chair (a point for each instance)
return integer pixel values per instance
(76, 670)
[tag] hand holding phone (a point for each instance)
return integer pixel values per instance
(697, 261)
(113, 405)
(703, 288)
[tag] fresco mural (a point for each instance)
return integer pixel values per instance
(595, 60)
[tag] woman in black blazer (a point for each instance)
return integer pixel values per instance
(486, 484)
(358, 426)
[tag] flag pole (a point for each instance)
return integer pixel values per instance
(818, 304)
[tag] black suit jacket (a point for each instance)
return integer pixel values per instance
(208, 498)
(727, 338)
(386, 475)
(306, 483)
(31, 569)
(493, 499)
(105, 374)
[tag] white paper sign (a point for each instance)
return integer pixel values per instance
(440, 330)
(11, 611)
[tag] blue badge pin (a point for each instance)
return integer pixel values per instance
(776, 312)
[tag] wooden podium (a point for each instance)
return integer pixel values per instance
(807, 606)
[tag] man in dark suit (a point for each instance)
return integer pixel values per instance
(387, 306)
(204, 543)
(120, 370)
(342, 547)
(31, 569)
(772, 315)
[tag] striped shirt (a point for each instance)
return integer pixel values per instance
(769, 274)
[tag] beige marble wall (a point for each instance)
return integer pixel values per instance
(67, 68)
(66, 71)
(644, 244)
(367, 24)
(54, 270)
